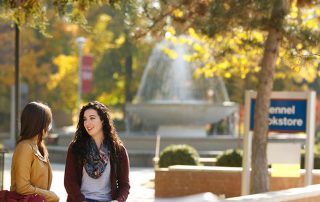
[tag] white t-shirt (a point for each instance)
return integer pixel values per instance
(97, 189)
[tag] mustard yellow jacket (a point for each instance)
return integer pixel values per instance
(31, 173)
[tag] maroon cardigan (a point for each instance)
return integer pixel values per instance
(119, 184)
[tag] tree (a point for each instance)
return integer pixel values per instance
(106, 40)
(238, 28)
(260, 177)
(34, 13)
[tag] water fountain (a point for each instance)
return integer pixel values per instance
(171, 101)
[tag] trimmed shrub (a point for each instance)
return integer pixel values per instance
(230, 158)
(178, 155)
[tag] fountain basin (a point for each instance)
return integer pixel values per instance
(181, 113)
(172, 100)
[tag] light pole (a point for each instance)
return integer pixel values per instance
(17, 82)
(80, 42)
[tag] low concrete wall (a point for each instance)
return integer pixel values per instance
(222, 181)
(303, 194)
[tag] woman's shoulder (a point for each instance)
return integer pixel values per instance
(122, 148)
(72, 146)
(26, 145)
(24, 150)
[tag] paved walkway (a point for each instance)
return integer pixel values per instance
(141, 180)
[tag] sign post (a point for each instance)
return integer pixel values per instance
(87, 73)
(289, 112)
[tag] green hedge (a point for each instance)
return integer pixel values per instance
(187, 155)
(230, 158)
(233, 158)
(178, 155)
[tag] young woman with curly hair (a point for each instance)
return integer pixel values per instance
(97, 164)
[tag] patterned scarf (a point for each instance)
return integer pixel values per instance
(96, 159)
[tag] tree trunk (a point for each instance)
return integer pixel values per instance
(260, 176)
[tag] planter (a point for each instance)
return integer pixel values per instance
(178, 181)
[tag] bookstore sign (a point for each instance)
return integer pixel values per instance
(289, 112)
(285, 115)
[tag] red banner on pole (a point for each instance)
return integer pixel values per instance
(87, 73)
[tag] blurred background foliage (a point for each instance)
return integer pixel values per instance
(121, 34)
(49, 63)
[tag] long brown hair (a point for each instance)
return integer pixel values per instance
(111, 138)
(36, 118)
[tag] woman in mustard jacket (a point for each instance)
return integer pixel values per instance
(30, 170)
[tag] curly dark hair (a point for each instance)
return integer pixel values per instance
(111, 138)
